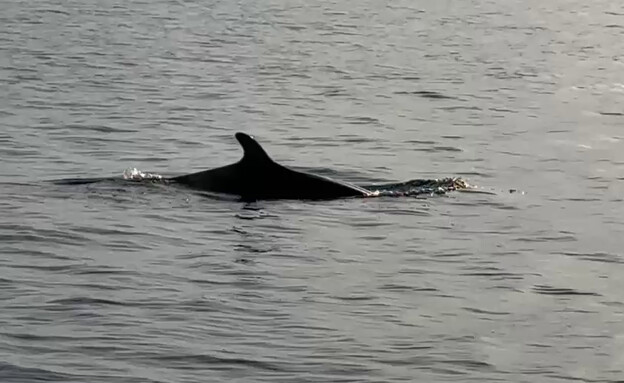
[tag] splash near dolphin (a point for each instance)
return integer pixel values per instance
(257, 177)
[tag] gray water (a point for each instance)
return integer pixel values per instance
(149, 283)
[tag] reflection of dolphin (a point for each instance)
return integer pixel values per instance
(256, 176)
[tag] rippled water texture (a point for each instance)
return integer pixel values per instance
(110, 282)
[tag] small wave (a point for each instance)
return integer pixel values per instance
(204, 359)
(551, 290)
(426, 94)
(419, 187)
(12, 373)
(79, 181)
(87, 301)
(131, 174)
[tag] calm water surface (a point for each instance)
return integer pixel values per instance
(149, 283)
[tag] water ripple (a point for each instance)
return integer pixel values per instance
(111, 277)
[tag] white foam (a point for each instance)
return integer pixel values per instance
(136, 174)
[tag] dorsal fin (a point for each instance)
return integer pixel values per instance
(252, 151)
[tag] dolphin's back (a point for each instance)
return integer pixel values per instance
(220, 180)
(293, 184)
(256, 176)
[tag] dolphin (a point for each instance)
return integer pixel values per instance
(257, 177)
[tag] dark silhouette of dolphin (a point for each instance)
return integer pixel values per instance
(257, 177)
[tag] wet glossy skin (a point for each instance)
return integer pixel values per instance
(257, 177)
